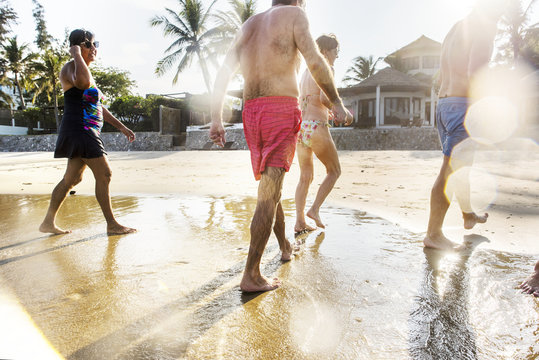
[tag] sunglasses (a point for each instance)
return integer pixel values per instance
(88, 44)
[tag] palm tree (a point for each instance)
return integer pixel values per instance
(514, 28)
(188, 26)
(395, 62)
(230, 22)
(46, 81)
(362, 68)
(18, 64)
(7, 18)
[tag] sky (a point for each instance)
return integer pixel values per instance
(129, 43)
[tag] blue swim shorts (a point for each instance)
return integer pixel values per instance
(450, 115)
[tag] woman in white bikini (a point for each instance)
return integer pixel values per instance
(314, 136)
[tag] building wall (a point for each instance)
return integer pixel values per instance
(13, 130)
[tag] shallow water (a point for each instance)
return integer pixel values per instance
(362, 289)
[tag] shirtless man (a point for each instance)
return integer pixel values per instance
(466, 49)
(267, 51)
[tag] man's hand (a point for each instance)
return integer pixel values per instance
(342, 115)
(217, 133)
(128, 134)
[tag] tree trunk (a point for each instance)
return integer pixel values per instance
(205, 72)
(21, 98)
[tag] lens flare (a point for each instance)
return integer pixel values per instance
(475, 189)
(491, 120)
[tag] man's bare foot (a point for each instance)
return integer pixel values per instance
(470, 219)
(316, 217)
(117, 229)
(288, 250)
(531, 285)
(259, 284)
(440, 242)
(302, 227)
(52, 228)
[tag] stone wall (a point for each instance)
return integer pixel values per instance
(345, 139)
(146, 141)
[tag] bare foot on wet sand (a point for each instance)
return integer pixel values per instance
(258, 285)
(117, 229)
(288, 250)
(470, 219)
(440, 242)
(301, 227)
(531, 285)
(53, 229)
(316, 217)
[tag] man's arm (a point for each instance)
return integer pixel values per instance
(319, 68)
(481, 50)
(228, 69)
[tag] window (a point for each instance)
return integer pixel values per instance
(411, 63)
(367, 113)
(431, 62)
(396, 110)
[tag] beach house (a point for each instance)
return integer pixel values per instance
(403, 95)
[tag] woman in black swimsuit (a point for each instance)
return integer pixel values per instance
(79, 134)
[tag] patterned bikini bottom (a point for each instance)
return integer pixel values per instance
(307, 130)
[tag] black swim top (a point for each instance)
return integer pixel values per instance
(83, 110)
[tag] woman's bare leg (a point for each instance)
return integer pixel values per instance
(72, 176)
(102, 173)
(325, 150)
(305, 159)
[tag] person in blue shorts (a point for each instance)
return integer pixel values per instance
(466, 49)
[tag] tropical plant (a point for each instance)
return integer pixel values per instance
(112, 82)
(362, 68)
(18, 64)
(43, 38)
(132, 110)
(189, 28)
(46, 80)
(395, 62)
(7, 18)
(516, 33)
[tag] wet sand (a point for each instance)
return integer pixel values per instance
(362, 289)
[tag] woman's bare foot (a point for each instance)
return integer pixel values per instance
(259, 284)
(52, 228)
(440, 242)
(117, 229)
(531, 285)
(316, 217)
(470, 219)
(302, 227)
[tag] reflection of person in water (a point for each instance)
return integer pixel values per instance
(531, 285)
(439, 322)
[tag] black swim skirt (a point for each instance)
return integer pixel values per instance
(84, 144)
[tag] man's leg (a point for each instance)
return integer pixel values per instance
(269, 192)
(439, 203)
(531, 285)
(325, 150)
(102, 174)
(305, 159)
(72, 176)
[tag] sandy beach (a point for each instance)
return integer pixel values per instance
(394, 185)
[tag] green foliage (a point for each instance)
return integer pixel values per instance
(31, 116)
(7, 17)
(132, 110)
(113, 83)
(43, 38)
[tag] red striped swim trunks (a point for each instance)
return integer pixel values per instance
(271, 126)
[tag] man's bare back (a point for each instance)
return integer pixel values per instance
(269, 57)
(466, 48)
